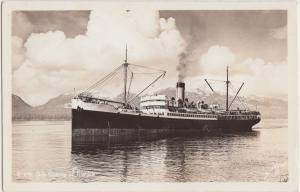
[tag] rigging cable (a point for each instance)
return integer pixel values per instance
(131, 78)
(242, 102)
(162, 75)
(158, 70)
(116, 75)
(238, 91)
(104, 78)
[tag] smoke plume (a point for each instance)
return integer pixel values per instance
(182, 66)
(186, 59)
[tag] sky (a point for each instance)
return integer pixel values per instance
(55, 52)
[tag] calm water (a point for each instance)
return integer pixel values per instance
(42, 152)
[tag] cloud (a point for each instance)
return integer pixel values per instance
(51, 63)
(71, 23)
(18, 52)
(261, 78)
(264, 79)
(54, 63)
(22, 27)
(279, 33)
(216, 59)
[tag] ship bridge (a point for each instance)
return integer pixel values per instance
(154, 104)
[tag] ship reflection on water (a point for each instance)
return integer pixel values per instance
(260, 155)
(94, 142)
(161, 157)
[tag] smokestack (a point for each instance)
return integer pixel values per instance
(180, 89)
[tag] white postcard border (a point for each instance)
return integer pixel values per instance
(291, 185)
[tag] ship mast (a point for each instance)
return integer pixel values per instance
(227, 85)
(125, 66)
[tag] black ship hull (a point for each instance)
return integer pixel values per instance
(85, 122)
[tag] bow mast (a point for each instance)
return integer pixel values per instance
(125, 66)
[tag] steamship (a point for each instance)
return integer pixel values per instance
(93, 115)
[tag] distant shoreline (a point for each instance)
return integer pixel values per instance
(50, 119)
(56, 108)
(36, 120)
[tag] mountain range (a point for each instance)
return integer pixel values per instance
(59, 108)
(55, 109)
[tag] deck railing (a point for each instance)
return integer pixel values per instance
(216, 116)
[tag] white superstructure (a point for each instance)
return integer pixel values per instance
(154, 104)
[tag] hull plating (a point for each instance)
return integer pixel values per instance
(86, 122)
